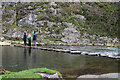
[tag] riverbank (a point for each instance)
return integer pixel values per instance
(9, 42)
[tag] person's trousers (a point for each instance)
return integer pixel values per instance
(25, 42)
(29, 42)
(34, 42)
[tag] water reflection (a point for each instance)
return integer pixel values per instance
(34, 57)
(30, 57)
(25, 53)
(29, 51)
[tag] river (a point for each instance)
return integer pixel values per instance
(71, 66)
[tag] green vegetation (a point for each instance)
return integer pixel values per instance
(39, 10)
(53, 39)
(49, 11)
(41, 17)
(40, 33)
(103, 20)
(101, 17)
(30, 73)
(60, 28)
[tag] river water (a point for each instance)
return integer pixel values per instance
(71, 66)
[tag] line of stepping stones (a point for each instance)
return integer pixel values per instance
(70, 51)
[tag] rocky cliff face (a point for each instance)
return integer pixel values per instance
(65, 22)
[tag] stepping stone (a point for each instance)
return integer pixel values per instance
(39, 47)
(66, 51)
(43, 48)
(114, 57)
(118, 57)
(103, 55)
(58, 50)
(93, 54)
(75, 52)
(18, 45)
(12, 45)
(49, 49)
(84, 53)
(54, 49)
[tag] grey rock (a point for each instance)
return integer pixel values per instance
(40, 23)
(109, 40)
(109, 75)
(75, 52)
(115, 40)
(30, 7)
(44, 75)
(84, 53)
(50, 24)
(28, 20)
(80, 18)
(70, 34)
(14, 35)
(85, 35)
(9, 11)
(93, 54)
(53, 3)
(102, 39)
(6, 4)
(59, 15)
(9, 32)
(85, 41)
(11, 22)
(52, 9)
(19, 34)
(0, 4)
(4, 29)
(53, 35)
(15, 29)
(2, 38)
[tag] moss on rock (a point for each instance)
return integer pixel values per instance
(29, 73)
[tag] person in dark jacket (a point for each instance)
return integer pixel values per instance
(34, 38)
(25, 39)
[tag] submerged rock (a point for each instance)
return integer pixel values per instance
(109, 75)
